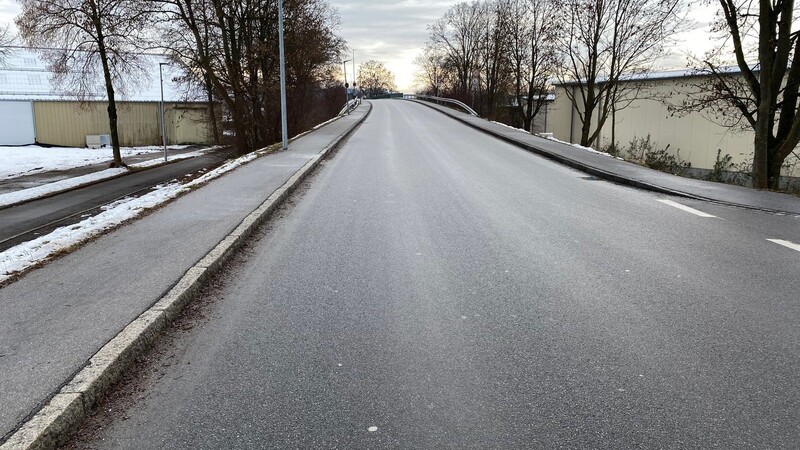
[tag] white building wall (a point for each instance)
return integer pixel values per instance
(694, 135)
(16, 123)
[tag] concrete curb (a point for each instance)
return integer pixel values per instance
(69, 406)
(594, 171)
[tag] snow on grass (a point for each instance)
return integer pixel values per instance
(32, 159)
(31, 253)
(44, 190)
(551, 138)
(580, 147)
(508, 126)
(159, 161)
(12, 198)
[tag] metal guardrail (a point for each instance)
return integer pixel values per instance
(443, 101)
(351, 105)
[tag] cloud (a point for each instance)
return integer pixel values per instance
(394, 32)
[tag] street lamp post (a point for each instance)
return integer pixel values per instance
(284, 126)
(346, 96)
(163, 123)
(354, 73)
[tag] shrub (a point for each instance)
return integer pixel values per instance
(642, 151)
(721, 167)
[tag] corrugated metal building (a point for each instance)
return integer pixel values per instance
(696, 136)
(32, 111)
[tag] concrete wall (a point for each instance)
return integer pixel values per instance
(67, 123)
(697, 137)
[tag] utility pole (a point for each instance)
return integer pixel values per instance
(346, 95)
(284, 125)
(163, 123)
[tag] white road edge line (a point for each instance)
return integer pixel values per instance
(686, 208)
(787, 244)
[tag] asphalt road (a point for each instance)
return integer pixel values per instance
(436, 288)
(27, 221)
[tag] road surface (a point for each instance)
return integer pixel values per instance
(437, 288)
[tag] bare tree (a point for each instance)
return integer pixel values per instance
(233, 48)
(375, 78)
(459, 34)
(7, 39)
(604, 42)
(760, 90)
(497, 19)
(532, 54)
(95, 40)
(432, 74)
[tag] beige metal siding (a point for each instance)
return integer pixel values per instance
(697, 137)
(189, 125)
(67, 123)
(560, 118)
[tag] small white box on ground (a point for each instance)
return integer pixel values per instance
(93, 141)
(97, 140)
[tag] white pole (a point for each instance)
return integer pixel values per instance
(284, 126)
(163, 124)
(346, 95)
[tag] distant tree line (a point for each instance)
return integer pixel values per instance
(228, 51)
(500, 56)
(375, 78)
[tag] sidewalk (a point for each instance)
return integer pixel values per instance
(56, 317)
(623, 172)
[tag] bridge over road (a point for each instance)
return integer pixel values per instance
(432, 286)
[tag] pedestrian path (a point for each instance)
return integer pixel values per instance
(25, 188)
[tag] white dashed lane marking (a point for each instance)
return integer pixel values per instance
(686, 208)
(787, 244)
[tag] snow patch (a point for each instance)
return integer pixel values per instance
(551, 138)
(33, 159)
(580, 147)
(23, 195)
(509, 126)
(28, 254)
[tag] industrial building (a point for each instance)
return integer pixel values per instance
(696, 135)
(33, 111)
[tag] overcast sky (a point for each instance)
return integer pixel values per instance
(395, 31)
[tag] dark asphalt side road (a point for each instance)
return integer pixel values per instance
(436, 288)
(44, 215)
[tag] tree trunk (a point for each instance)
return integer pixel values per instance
(112, 104)
(212, 110)
(240, 127)
(613, 146)
(774, 173)
(760, 165)
(586, 128)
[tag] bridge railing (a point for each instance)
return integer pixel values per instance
(444, 102)
(351, 105)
